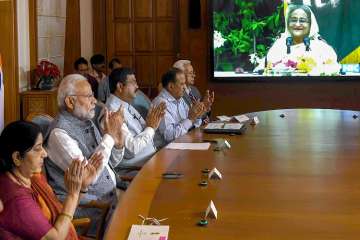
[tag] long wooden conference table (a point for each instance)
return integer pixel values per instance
(296, 177)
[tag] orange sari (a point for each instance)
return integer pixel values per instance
(49, 204)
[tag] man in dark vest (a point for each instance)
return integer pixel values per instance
(73, 135)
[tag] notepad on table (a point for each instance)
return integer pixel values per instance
(149, 232)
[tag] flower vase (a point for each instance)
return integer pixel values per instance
(45, 83)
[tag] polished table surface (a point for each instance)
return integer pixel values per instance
(296, 177)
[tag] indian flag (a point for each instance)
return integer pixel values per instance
(1, 97)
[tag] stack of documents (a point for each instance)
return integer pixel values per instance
(235, 128)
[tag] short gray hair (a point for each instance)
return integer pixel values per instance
(67, 88)
(180, 64)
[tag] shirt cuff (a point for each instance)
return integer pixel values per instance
(198, 122)
(149, 131)
(108, 141)
(187, 123)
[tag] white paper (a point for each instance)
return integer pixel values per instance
(241, 118)
(214, 126)
(233, 126)
(211, 210)
(223, 118)
(188, 146)
(149, 232)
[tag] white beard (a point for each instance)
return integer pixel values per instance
(82, 114)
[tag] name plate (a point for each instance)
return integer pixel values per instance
(211, 211)
(215, 174)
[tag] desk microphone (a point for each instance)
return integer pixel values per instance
(289, 42)
(307, 43)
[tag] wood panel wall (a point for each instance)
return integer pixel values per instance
(194, 43)
(144, 35)
(72, 35)
(8, 50)
(99, 21)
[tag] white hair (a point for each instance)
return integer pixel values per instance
(67, 88)
(180, 64)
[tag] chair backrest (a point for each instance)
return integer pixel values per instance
(41, 119)
(141, 103)
(99, 114)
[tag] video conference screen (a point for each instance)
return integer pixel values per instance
(253, 38)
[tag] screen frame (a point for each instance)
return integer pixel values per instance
(260, 78)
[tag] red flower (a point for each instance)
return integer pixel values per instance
(47, 69)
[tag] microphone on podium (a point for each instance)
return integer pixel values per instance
(307, 43)
(289, 42)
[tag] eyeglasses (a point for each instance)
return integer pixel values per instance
(88, 96)
(300, 20)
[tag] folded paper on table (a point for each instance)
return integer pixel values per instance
(188, 146)
(215, 126)
(230, 128)
(238, 118)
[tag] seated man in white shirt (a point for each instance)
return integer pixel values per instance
(139, 134)
(191, 92)
(179, 116)
(73, 135)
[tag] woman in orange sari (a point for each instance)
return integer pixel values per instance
(31, 210)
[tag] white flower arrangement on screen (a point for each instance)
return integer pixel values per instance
(218, 39)
(254, 58)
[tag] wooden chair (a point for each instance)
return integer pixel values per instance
(104, 207)
(41, 119)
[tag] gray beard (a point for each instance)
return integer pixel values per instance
(80, 113)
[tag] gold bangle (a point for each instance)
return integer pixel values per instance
(66, 215)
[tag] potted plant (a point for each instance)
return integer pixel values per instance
(242, 32)
(47, 74)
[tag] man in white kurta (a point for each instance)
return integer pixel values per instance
(139, 134)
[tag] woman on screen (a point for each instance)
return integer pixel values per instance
(300, 48)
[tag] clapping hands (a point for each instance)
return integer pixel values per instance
(81, 174)
(208, 100)
(112, 125)
(92, 169)
(155, 115)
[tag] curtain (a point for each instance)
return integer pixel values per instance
(1, 97)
